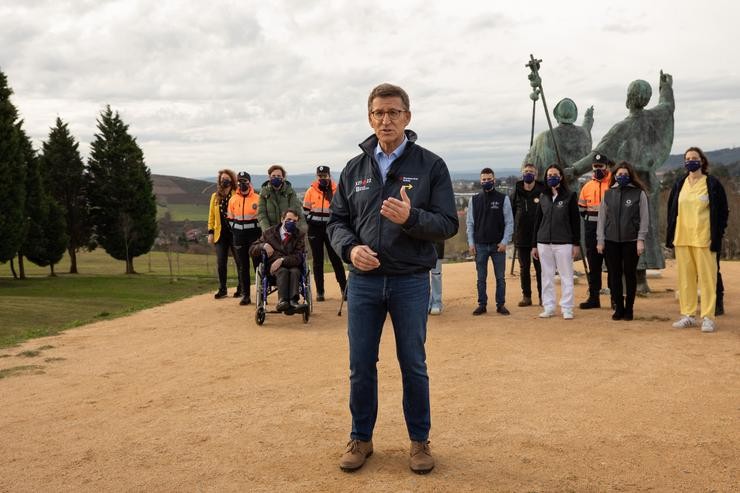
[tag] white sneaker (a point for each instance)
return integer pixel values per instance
(707, 325)
(567, 314)
(547, 313)
(685, 322)
(435, 310)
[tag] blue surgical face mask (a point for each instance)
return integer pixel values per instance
(290, 226)
(487, 185)
(276, 181)
(692, 165)
(599, 173)
(553, 181)
(528, 177)
(622, 180)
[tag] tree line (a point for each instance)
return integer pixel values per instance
(51, 202)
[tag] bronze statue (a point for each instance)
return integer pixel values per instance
(573, 142)
(643, 139)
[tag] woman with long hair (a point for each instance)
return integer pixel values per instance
(219, 233)
(697, 218)
(557, 233)
(620, 235)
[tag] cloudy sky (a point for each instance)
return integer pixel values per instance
(243, 84)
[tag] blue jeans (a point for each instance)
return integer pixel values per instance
(369, 299)
(482, 253)
(435, 298)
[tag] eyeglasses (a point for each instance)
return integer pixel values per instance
(394, 115)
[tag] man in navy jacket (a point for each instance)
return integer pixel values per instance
(393, 201)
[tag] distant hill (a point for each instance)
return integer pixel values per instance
(720, 156)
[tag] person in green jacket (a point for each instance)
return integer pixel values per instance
(277, 196)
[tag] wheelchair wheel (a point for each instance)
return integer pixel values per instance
(309, 296)
(259, 316)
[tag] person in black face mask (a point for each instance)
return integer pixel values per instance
(524, 201)
(490, 225)
(589, 201)
(697, 219)
(219, 233)
(620, 235)
(317, 209)
(284, 245)
(245, 229)
(276, 196)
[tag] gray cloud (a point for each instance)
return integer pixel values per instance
(251, 83)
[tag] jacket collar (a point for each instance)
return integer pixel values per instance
(368, 145)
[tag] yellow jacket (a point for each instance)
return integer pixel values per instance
(214, 219)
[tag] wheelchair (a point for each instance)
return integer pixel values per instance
(266, 284)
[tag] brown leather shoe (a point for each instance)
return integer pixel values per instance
(354, 457)
(421, 461)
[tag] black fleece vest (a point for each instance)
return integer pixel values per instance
(488, 217)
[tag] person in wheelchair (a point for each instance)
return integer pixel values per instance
(284, 245)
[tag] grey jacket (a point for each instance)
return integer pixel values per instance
(623, 215)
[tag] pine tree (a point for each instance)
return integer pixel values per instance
(64, 177)
(12, 176)
(46, 237)
(119, 188)
(36, 208)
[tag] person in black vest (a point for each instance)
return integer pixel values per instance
(524, 200)
(555, 242)
(620, 235)
(490, 225)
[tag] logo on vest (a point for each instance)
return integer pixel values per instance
(628, 203)
(495, 204)
(560, 204)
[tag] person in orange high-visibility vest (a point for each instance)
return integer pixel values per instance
(589, 201)
(317, 209)
(245, 229)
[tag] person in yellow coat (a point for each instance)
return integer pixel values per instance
(697, 219)
(219, 233)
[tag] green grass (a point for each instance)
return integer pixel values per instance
(185, 212)
(41, 305)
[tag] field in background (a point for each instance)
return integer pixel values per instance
(43, 305)
(184, 212)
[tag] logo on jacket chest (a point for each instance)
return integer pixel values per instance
(628, 203)
(409, 182)
(494, 204)
(363, 184)
(560, 204)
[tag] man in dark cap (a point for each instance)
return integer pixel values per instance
(316, 209)
(245, 229)
(589, 201)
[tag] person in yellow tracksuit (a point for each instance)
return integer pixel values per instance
(589, 201)
(317, 209)
(245, 229)
(697, 218)
(219, 233)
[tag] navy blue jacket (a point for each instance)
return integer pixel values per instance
(355, 208)
(718, 212)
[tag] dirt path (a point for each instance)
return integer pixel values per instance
(170, 400)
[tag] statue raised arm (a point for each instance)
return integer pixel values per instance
(643, 139)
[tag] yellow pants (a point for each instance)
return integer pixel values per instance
(693, 263)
